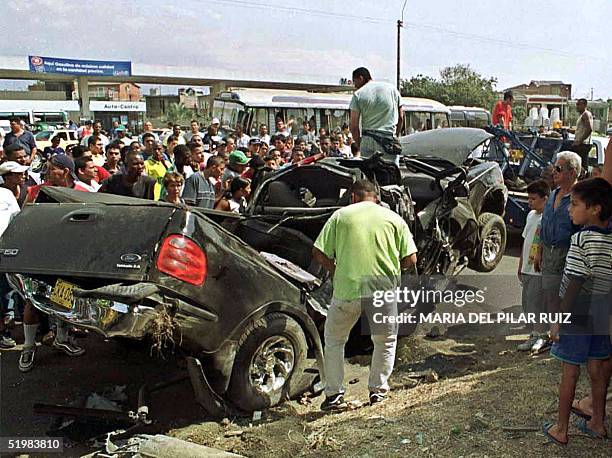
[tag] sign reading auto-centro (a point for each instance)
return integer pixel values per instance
(40, 64)
(98, 105)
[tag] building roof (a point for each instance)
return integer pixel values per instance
(111, 84)
(538, 83)
(545, 82)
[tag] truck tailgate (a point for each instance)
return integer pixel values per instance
(86, 240)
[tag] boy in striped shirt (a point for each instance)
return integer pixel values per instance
(585, 292)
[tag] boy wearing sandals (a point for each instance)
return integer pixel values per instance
(585, 292)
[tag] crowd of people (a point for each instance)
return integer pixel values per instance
(565, 263)
(204, 161)
(200, 167)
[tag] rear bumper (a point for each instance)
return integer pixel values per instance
(101, 311)
(111, 318)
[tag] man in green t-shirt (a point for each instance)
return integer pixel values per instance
(364, 246)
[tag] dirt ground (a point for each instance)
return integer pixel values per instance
(489, 401)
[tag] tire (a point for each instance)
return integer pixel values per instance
(281, 339)
(491, 244)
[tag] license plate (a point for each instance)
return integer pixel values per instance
(62, 294)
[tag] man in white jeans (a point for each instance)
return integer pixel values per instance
(365, 246)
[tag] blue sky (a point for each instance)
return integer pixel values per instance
(513, 40)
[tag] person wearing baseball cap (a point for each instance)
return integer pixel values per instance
(236, 165)
(60, 172)
(13, 175)
(254, 146)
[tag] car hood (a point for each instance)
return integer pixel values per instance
(452, 144)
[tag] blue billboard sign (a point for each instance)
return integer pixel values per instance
(40, 64)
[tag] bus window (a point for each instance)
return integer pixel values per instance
(418, 121)
(480, 119)
(259, 116)
(52, 117)
(218, 109)
(440, 120)
(230, 114)
(298, 115)
(62, 136)
(458, 119)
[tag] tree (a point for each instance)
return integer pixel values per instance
(458, 85)
(178, 113)
(425, 87)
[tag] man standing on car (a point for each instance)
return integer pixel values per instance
(363, 246)
(377, 107)
(502, 112)
(582, 138)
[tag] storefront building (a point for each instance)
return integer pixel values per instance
(128, 114)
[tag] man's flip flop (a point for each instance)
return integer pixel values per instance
(578, 411)
(582, 426)
(550, 437)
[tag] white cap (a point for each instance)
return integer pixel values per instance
(215, 121)
(12, 167)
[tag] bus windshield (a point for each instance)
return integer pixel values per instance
(229, 112)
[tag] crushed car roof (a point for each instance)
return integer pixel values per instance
(454, 144)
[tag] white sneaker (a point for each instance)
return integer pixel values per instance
(528, 344)
(6, 341)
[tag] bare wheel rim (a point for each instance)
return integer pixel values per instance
(272, 364)
(491, 245)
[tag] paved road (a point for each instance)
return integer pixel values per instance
(60, 379)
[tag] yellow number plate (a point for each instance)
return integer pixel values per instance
(62, 294)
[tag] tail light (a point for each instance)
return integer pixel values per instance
(182, 258)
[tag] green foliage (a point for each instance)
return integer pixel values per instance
(178, 113)
(519, 113)
(458, 85)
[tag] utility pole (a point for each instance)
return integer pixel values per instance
(400, 24)
(399, 28)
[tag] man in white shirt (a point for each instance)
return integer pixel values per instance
(242, 139)
(87, 173)
(195, 130)
(376, 115)
(584, 128)
(97, 130)
(263, 134)
(147, 129)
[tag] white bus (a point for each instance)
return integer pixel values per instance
(48, 113)
(254, 107)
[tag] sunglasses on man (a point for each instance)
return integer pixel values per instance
(560, 169)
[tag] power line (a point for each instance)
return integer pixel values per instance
(313, 12)
(413, 25)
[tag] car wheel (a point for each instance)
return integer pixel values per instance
(269, 364)
(492, 243)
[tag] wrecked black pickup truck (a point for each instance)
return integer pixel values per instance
(127, 267)
(241, 292)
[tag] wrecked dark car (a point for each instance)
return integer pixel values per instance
(126, 267)
(452, 203)
(241, 292)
